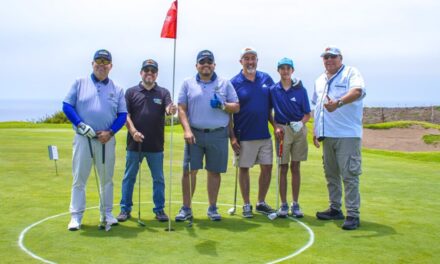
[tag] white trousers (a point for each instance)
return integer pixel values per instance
(82, 168)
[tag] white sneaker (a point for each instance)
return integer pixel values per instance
(110, 219)
(74, 224)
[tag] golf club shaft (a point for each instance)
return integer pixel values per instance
(96, 174)
(101, 181)
(190, 181)
(237, 161)
(139, 180)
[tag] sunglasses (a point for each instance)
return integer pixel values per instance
(102, 62)
(330, 56)
(149, 69)
(206, 61)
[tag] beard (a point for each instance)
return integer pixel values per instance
(251, 69)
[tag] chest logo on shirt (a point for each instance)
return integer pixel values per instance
(293, 99)
(157, 101)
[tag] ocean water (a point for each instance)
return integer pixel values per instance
(28, 110)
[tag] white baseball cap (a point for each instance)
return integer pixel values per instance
(331, 50)
(248, 50)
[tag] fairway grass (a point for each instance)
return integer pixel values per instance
(399, 212)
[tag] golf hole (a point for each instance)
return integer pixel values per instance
(208, 239)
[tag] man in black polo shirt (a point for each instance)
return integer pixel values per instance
(147, 104)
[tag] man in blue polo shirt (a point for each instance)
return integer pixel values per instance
(204, 104)
(251, 125)
(292, 111)
(96, 107)
(147, 104)
(338, 97)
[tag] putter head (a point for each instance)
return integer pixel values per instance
(231, 211)
(190, 221)
(272, 216)
(140, 223)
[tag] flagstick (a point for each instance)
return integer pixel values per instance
(171, 142)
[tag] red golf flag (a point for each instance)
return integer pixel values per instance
(169, 29)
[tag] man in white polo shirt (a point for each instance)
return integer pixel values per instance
(97, 109)
(338, 97)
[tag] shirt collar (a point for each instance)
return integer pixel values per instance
(213, 77)
(96, 80)
(142, 88)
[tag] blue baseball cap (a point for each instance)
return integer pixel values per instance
(150, 63)
(103, 54)
(331, 50)
(285, 61)
(205, 54)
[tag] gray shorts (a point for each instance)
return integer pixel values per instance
(213, 145)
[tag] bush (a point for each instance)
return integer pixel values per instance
(57, 118)
(168, 120)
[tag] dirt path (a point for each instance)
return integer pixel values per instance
(399, 139)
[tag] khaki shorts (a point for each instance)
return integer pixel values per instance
(255, 152)
(295, 146)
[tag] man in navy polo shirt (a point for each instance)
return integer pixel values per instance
(205, 102)
(147, 104)
(292, 111)
(251, 124)
(96, 107)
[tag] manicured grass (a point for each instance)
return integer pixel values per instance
(399, 213)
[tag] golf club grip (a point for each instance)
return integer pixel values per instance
(103, 153)
(280, 150)
(90, 147)
(140, 151)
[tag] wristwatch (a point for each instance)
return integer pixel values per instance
(340, 103)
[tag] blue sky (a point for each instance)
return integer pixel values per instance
(45, 45)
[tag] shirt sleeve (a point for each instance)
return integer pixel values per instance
(306, 104)
(72, 96)
(183, 94)
(167, 98)
(231, 93)
(356, 81)
(122, 105)
(128, 95)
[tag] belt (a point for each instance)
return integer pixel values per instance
(207, 130)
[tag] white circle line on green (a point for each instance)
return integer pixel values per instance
(35, 256)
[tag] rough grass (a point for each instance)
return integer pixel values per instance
(401, 124)
(399, 214)
(431, 139)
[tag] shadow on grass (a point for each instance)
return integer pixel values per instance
(376, 229)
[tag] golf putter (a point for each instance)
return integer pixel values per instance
(101, 226)
(140, 223)
(274, 215)
(107, 226)
(232, 210)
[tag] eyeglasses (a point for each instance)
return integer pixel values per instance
(149, 69)
(102, 62)
(330, 56)
(206, 61)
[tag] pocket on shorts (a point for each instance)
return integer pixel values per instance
(354, 165)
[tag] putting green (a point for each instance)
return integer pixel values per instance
(213, 242)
